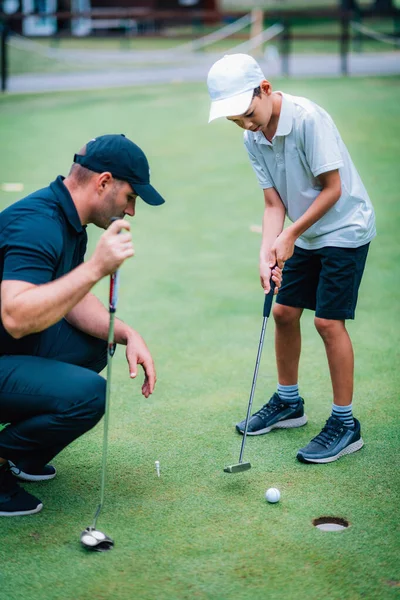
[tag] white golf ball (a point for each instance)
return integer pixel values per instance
(98, 535)
(272, 495)
(88, 540)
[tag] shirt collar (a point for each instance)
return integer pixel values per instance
(285, 122)
(67, 204)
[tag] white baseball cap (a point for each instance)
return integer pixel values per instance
(231, 82)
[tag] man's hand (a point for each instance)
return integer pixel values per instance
(137, 353)
(268, 270)
(283, 247)
(112, 249)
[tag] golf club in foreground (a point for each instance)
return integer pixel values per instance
(245, 466)
(92, 538)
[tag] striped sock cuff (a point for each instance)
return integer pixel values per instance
(344, 414)
(288, 393)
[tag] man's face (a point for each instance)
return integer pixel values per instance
(118, 201)
(258, 115)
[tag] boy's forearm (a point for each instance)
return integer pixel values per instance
(273, 221)
(322, 203)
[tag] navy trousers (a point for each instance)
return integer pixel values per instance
(51, 395)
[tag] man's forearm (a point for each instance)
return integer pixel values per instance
(37, 307)
(92, 317)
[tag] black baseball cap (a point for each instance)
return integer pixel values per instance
(124, 160)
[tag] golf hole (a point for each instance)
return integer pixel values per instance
(330, 523)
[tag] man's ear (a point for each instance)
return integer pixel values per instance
(103, 181)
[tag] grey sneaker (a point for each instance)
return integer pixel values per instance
(33, 473)
(334, 441)
(276, 414)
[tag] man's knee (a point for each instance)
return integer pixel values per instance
(88, 396)
(286, 315)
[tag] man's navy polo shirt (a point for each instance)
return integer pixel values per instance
(41, 239)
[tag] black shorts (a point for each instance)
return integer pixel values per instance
(324, 280)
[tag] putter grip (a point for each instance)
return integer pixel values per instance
(114, 282)
(268, 299)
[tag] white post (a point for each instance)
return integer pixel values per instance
(257, 25)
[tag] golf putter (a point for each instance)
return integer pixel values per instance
(91, 538)
(245, 466)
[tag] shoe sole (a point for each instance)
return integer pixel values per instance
(22, 513)
(287, 424)
(348, 450)
(27, 476)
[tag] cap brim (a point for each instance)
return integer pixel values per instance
(230, 107)
(148, 194)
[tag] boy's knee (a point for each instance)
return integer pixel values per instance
(285, 315)
(328, 328)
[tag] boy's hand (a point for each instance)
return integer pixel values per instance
(268, 270)
(283, 247)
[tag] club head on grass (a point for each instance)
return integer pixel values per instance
(238, 468)
(93, 539)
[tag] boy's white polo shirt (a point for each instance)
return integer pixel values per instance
(306, 144)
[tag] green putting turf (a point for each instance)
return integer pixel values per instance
(193, 292)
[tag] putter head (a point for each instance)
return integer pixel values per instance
(238, 468)
(93, 539)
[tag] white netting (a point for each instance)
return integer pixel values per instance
(183, 52)
(261, 38)
(88, 57)
(216, 36)
(376, 35)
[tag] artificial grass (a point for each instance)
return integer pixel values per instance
(192, 291)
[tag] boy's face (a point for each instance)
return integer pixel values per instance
(258, 115)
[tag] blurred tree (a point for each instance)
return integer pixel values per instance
(349, 4)
(377, 5)
(383, 5)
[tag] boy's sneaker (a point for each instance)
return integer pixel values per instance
(334, 441)
(14, 501)
(276, 414)
(35, 474)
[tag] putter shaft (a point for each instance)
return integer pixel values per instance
(253, 387)
(241, 466)
(113, 298)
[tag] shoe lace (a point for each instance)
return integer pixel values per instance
(328, 434)
(273, 406)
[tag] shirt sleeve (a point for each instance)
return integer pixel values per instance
(32, 250)
(321, 143)
(260, 170)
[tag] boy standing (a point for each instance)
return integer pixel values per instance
(306, 173)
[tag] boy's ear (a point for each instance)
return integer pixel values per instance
(266, 87)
